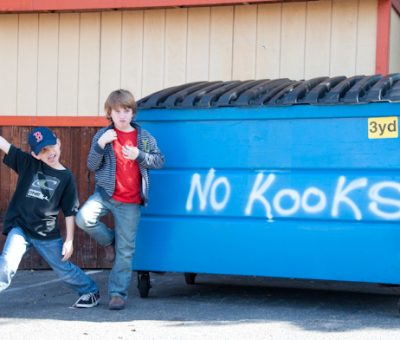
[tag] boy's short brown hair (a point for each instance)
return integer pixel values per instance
(120, 98)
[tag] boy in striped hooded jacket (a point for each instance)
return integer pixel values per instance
(120, 156)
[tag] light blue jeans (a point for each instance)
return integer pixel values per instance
(126, 219)
(18, 243)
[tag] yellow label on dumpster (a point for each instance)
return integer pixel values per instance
(383, 127)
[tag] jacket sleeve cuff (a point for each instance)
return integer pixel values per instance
(98, 148)
(140, 158)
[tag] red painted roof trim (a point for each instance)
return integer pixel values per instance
(83, 5)
(383, 36)
(59, 121)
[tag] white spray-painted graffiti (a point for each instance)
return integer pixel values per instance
(312, 200)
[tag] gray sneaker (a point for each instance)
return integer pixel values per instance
(116, 303)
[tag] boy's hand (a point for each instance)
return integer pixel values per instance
(4, 144)
(107, 137)
(67, 250)
(130, 152)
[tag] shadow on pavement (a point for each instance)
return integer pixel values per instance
(212, 300)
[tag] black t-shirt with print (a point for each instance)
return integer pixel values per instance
(40, 194)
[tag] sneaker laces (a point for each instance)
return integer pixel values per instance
(86, 297)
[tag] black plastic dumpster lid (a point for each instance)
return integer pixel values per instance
(277, 92)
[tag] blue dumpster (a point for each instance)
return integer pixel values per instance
(275, 178)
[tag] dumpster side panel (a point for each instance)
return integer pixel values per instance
(299, 192)
(288, 249)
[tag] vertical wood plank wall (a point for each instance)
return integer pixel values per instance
(67, 63)
(394, 53)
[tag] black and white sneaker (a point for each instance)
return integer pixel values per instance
(87, 300)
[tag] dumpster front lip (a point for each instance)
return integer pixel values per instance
(376, 109)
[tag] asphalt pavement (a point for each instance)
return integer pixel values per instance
(37, 306)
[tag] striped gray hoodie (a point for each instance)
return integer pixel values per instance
(103, 162)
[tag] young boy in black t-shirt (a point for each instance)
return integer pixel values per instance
(44, 188)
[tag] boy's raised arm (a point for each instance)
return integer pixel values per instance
(4, 145)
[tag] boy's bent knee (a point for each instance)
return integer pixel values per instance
(85, 220)
(80, 221)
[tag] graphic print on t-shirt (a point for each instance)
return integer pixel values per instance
(43, 186)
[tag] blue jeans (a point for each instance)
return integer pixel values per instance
(18, 243)
(126, 219)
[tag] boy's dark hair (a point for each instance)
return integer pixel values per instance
(120, 98)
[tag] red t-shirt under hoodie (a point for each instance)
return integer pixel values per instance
(127, 181)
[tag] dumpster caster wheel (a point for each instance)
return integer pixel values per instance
(190, 278)
(143, 284)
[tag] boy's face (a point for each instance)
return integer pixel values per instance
(121, 117)
(50, 155)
